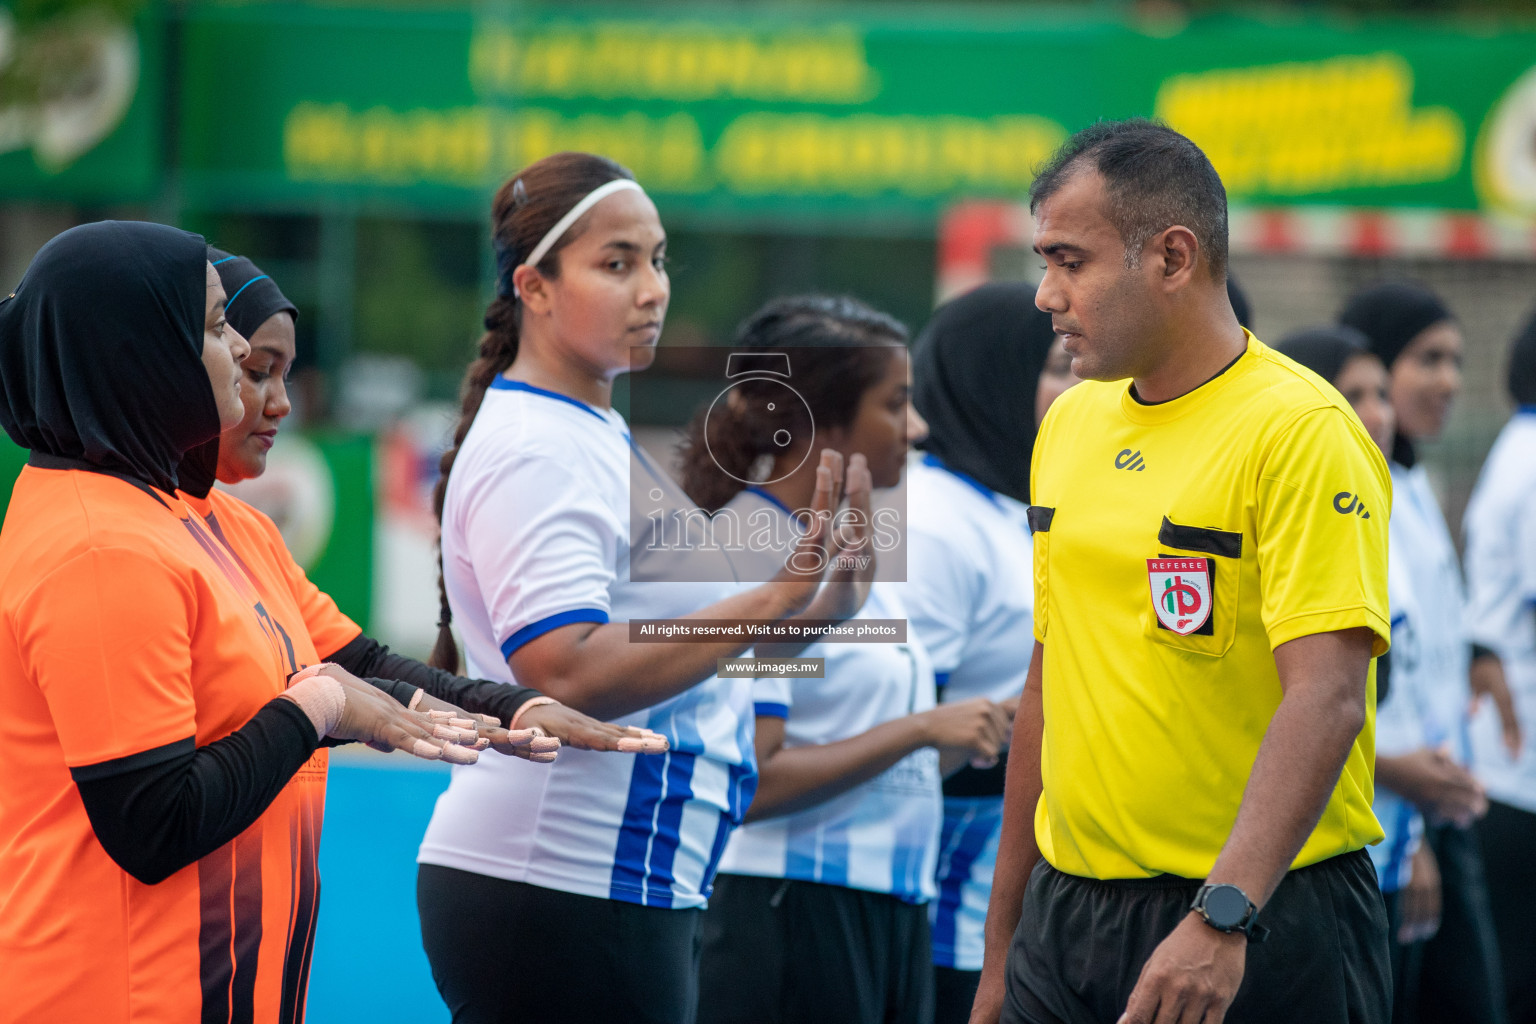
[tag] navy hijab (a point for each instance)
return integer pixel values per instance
(101, 351)
(975, 369)
(251, 299)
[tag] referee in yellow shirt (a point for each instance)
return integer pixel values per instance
(1190, 788)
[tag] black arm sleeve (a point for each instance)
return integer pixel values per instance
(367, 658)
(159, 810)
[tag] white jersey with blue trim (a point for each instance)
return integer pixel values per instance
(1500, 528)
(881, 835)
(1438, 676)
(971, 600)
(536, 535)
(1400, 729)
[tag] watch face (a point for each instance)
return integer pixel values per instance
(1225, 906)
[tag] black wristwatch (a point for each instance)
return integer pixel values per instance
(1228, 909)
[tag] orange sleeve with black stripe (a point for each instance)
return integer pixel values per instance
(108, 636)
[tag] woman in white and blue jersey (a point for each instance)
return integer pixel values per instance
(1405, 866)
(819, 913)
(573, 891)
(1419, 342)
(985, 369)
(1501, 589)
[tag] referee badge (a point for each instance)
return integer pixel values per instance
(1181, 592)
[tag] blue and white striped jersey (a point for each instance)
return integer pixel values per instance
(881, 835)
(1399, 730)
(1426, 707)
(1501, 584)
(536, 529)
(971, 600)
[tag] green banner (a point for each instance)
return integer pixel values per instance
(80, 107)
(855, 115)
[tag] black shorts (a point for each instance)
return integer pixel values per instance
(1081, 944)
(954, 993)
(1460, 977)
(1508, 840)
(778, 951)
(1405, 964)
(508, 952)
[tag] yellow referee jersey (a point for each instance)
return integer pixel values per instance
(1176, 546)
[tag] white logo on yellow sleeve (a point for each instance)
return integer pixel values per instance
(1181, 592)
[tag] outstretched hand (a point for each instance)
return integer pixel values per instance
(545, 728)
(529, 744)
(345, 707)
(583, 732)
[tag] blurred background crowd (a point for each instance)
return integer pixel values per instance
(880, 150)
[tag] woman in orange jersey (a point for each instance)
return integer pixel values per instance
(259, 311)
(164, 782)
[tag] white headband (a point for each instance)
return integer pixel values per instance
(563, 225)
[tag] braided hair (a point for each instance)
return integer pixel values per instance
(522, 212)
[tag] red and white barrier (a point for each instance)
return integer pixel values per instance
(970, 231)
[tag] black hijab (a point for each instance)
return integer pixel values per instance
(251, 299)
(1390, 315)
(975, 369)
(1324, 350)
(101, 351)
(1522, 365)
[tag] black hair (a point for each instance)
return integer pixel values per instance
(1154, 178)
(839, 347)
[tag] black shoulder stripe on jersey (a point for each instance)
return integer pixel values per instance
(172, 751)
(1198, 538)
(155, 820)
(1040, 517)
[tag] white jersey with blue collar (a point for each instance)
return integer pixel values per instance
(1438, 673)
(881, 835)
(536, 535)
(971, 571)
(971, 600)
(1501, 583)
